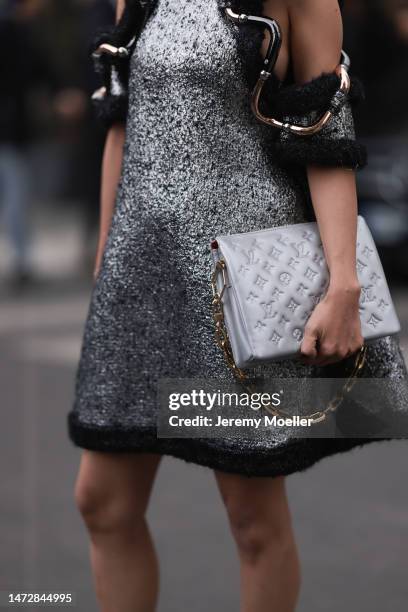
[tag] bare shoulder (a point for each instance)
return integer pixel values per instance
(304, 6)
(120, 5)
(307, 7)
(316, 36)
(278, 9)
(322, 15)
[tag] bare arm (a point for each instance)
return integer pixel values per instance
(111, 170)
(333, 331)
(316, 42)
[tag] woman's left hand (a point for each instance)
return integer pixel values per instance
(333, 332)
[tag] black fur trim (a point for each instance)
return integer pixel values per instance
(296, 456)
(130, 23)
(119, 35)
(112, 109)
(103, 65)
(281, 97)
(315, 95)
(305, 151)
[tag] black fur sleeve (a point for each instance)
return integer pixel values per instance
(111, 100)
(336, 144)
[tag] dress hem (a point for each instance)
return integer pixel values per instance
(296, 456)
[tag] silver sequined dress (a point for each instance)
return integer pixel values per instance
(195, 165)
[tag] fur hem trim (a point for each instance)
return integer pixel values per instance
(295, 456)
(129, 25)
(316, 95)
(342, 153)
(111, 109)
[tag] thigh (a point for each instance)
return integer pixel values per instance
(123, 477)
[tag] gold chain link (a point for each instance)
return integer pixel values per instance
(222, 340)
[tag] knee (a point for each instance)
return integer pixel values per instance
(256, 534)
(104, 510)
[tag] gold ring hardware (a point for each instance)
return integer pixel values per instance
(223, 342)
(107, 49)
(235, 17)
(269, 63)
(299, 130)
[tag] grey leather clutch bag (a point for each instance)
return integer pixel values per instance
(269, 282)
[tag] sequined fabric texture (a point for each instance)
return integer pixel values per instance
(195, 166)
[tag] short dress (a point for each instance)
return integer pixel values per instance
(197, 164)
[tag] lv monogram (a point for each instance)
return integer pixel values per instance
(367, 294)
(287, 267)
(275, 253)
(285, 278)
(251, 257)
(260, 281)
(301, 249)
(269, 310)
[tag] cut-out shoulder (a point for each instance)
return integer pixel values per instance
(312, 36)
(316, 37)
(120, 5)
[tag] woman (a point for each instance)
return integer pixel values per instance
(196, 163)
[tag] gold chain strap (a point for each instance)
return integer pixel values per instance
(222, 340)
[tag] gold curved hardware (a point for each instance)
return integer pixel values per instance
(266, 73)
(299, 130)
(236, 17)
(99, 94)
(107, 49)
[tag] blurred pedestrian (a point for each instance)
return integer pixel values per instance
(82, 134)
(21, 66)
(14, 188)
(94, 16)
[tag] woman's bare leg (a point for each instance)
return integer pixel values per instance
(261, 525)
(112, 494)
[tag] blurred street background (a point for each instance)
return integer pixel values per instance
(350, 512)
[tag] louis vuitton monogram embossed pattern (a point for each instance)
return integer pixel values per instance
(277, 276)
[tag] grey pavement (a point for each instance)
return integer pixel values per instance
(350, 511)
